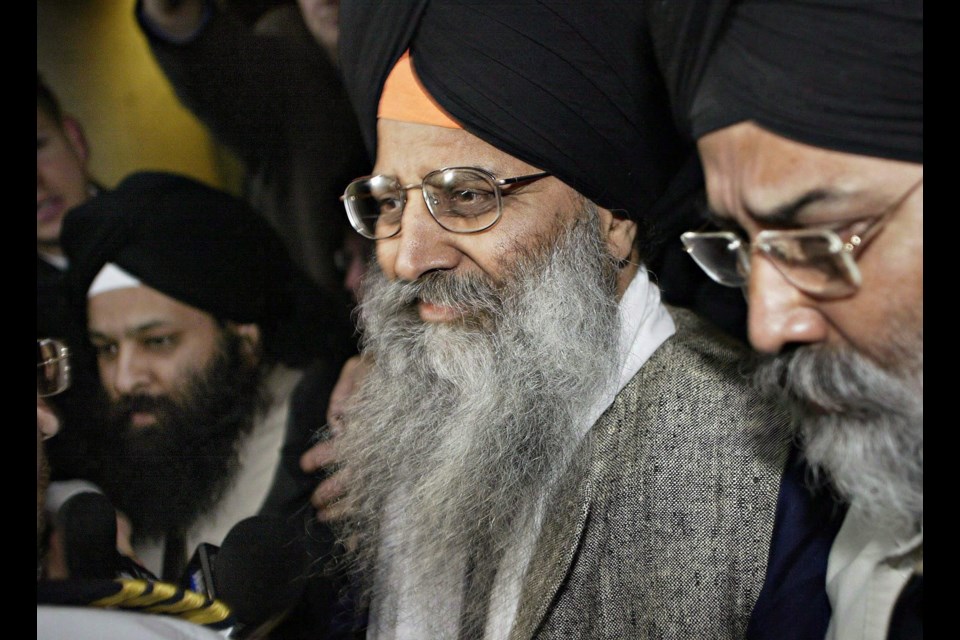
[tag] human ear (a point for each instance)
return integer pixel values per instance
(620, 233)
(250, 341)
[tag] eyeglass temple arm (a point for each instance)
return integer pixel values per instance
(533, 176)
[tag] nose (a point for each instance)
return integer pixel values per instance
(130, 374)
(421, 246)
(779, 314)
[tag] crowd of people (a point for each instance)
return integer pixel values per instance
(536, 320)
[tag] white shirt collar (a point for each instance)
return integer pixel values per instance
(644, 325)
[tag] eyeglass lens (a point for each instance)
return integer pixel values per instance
(461, 200)
(53, 367)
(813, 261)
(718, 254)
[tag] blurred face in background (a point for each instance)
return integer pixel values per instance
(62, 180)
(148, 344)
(53, 377)
(178, 381)
(322, 18)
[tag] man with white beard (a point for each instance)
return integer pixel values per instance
(539, 447)
(820, 165)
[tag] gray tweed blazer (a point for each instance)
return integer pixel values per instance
(662, 525)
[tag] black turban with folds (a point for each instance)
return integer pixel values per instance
(207, 249)
(845, 75)
(570, 86)
(593, 91)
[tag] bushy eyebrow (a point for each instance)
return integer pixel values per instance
(131, 332)
(786, 214)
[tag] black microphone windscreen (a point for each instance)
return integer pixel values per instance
(260, 569)
(88, 523)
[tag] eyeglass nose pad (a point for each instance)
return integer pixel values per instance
(430, 201)
(744, 256)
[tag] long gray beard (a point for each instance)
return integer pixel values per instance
(867, 436)
(458, 427)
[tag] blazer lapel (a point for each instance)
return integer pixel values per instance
(563, 527)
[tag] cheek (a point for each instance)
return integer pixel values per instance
(386, 253)
(885, 320)
(63, 174)
(107, 374)
(893, 277)
(56, 162)
(191, 359)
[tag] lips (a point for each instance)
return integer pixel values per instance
(49, 210)
(140, 419)
(430, 312)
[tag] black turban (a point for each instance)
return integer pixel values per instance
(207, 249)
(572, 87)
(845, 75)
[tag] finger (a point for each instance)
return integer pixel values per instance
(318, 456)
(330, 490)
(327, 491)
(334, 512)
(352, 372)
(124, 535)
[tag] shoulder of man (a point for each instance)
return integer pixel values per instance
(702, 336)
(705, 375)
(685, 460)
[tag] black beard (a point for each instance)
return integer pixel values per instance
(171, 473)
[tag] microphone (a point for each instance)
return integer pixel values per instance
(259, 572)
(88, 523)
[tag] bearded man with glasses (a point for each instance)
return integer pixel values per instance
(817, 172)
(540, 447)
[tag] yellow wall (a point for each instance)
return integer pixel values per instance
(94, 57)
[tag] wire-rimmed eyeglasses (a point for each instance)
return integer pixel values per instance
(816, 261)
(53, 367)
(460, 199)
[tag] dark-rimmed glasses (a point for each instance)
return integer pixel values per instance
(816, 261)
(460, 199)
(53, 367)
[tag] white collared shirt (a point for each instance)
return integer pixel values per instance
(866, 571)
